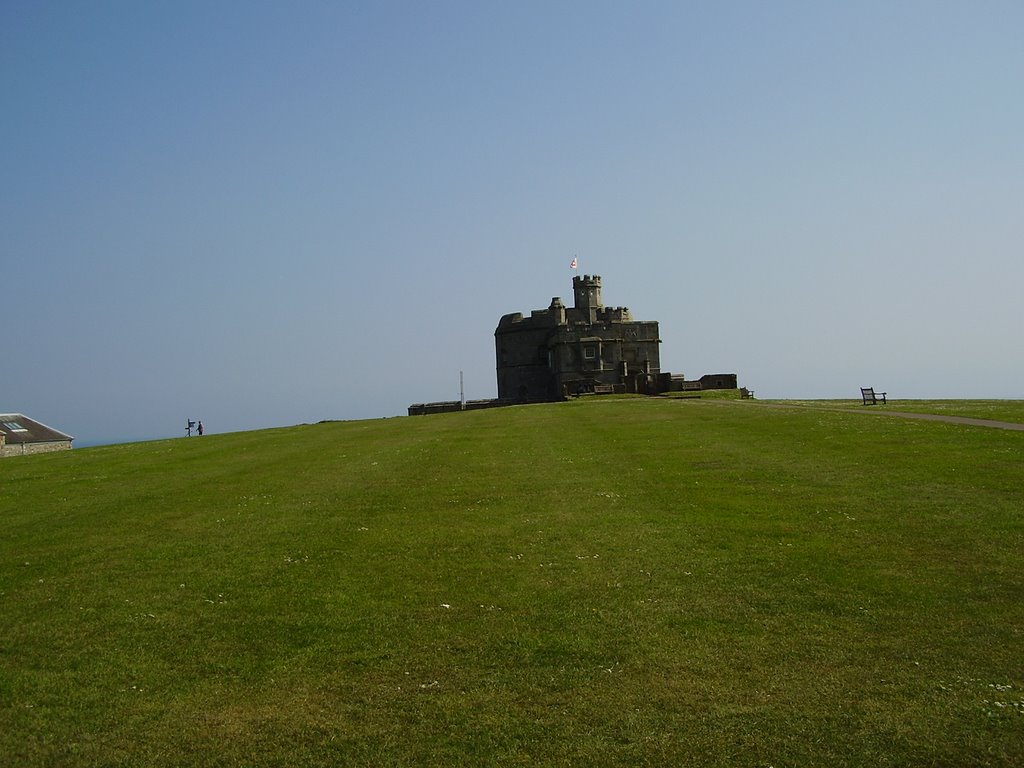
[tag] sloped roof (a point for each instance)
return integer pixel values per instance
(18, 428)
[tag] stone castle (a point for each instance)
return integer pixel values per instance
(562, 351)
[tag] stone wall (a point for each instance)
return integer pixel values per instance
(452, 406)
(718, 381)
(24, 449)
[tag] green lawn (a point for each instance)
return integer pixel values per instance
(601, 582)
(994, 410)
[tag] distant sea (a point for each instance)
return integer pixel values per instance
(96, 442)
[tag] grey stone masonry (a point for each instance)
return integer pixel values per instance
(562, 351)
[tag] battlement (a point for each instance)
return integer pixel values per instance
(587, 311)
(587, 292)
(614, 315)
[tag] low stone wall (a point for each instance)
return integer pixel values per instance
(451, 406)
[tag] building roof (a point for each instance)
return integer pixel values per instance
(18, 428)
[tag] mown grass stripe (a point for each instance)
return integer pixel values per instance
(631, 582)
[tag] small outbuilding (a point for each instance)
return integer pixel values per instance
(20, 435)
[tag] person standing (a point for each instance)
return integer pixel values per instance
(199, 429)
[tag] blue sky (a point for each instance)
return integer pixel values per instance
(262, 214)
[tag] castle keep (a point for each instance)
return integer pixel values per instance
(562, 351)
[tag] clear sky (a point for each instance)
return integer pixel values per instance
(262, 214)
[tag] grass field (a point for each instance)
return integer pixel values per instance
(994, 410)
(602, 582)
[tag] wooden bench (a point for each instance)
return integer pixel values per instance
(746, 394)
(604, 389)
(871, 397)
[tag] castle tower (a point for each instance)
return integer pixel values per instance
(561, 351)
(587, 293)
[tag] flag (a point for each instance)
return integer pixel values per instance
(572, 264)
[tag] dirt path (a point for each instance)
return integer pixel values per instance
(965, 420)
(951, 419)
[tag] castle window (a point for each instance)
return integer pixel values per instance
(590, 352)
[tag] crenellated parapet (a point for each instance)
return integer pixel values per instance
(614, 315)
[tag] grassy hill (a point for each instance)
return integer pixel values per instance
(603, 582)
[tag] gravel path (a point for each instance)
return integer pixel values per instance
(952, 419)
(881, 411)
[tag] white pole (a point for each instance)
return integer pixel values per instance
(462, 392)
